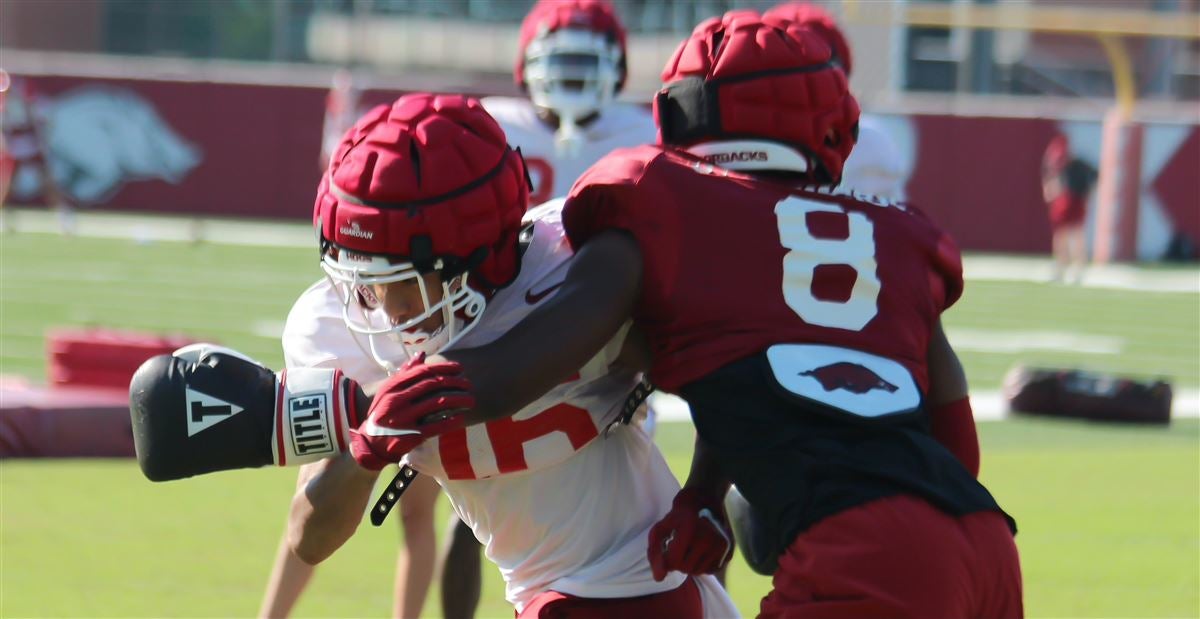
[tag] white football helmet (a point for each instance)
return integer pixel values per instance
(571, 60)
(574, 73)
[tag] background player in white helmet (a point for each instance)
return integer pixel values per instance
(571, 62)
(420, 263)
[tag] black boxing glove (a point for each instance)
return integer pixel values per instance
(207, 408)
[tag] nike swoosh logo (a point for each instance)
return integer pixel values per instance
(533, 298)
(370, 428)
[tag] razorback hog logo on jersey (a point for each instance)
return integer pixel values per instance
(742, 155)
(849, 376)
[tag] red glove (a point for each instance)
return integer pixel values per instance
(420, 401)
(693, 538)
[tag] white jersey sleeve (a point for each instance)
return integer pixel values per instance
(315, 335)
(553, 169)
(874, 166)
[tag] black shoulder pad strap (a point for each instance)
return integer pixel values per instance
(386, 501)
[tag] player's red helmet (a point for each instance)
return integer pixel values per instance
(571, 56)
(818, 20)
(755, 96)
(426, 184)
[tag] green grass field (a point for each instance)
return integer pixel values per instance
(1109, 515)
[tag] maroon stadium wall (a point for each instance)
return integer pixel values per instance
(236, 149)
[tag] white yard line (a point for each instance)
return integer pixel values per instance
(268, 328)
(991, 341)
(149, 229)
(1110, 276)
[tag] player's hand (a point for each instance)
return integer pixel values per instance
(420, 401)
(693, 538)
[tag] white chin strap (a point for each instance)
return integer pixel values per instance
(750, 155)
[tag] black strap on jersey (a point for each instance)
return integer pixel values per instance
(386, 501)
(632, 401)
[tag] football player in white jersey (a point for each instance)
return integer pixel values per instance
(571, 62)
(562, 494)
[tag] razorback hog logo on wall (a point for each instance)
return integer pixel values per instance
(849, 376)
(100, 137)
(741, 155)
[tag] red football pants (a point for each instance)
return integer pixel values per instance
(899, 557)
(682, 602)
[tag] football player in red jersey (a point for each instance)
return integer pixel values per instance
(1066, 184)
(801, 324)
(873, 168)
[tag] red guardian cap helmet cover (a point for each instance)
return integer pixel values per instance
(425, 184)
(751, 95)
(818, 20)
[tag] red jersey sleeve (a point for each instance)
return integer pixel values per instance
(945, 260)
(948, 262)
(604, 197)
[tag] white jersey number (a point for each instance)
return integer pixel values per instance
(808, 252)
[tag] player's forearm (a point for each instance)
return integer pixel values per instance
(706, 474)
(561, 336)
(951, 421)
(327, 508)
(502, 389)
